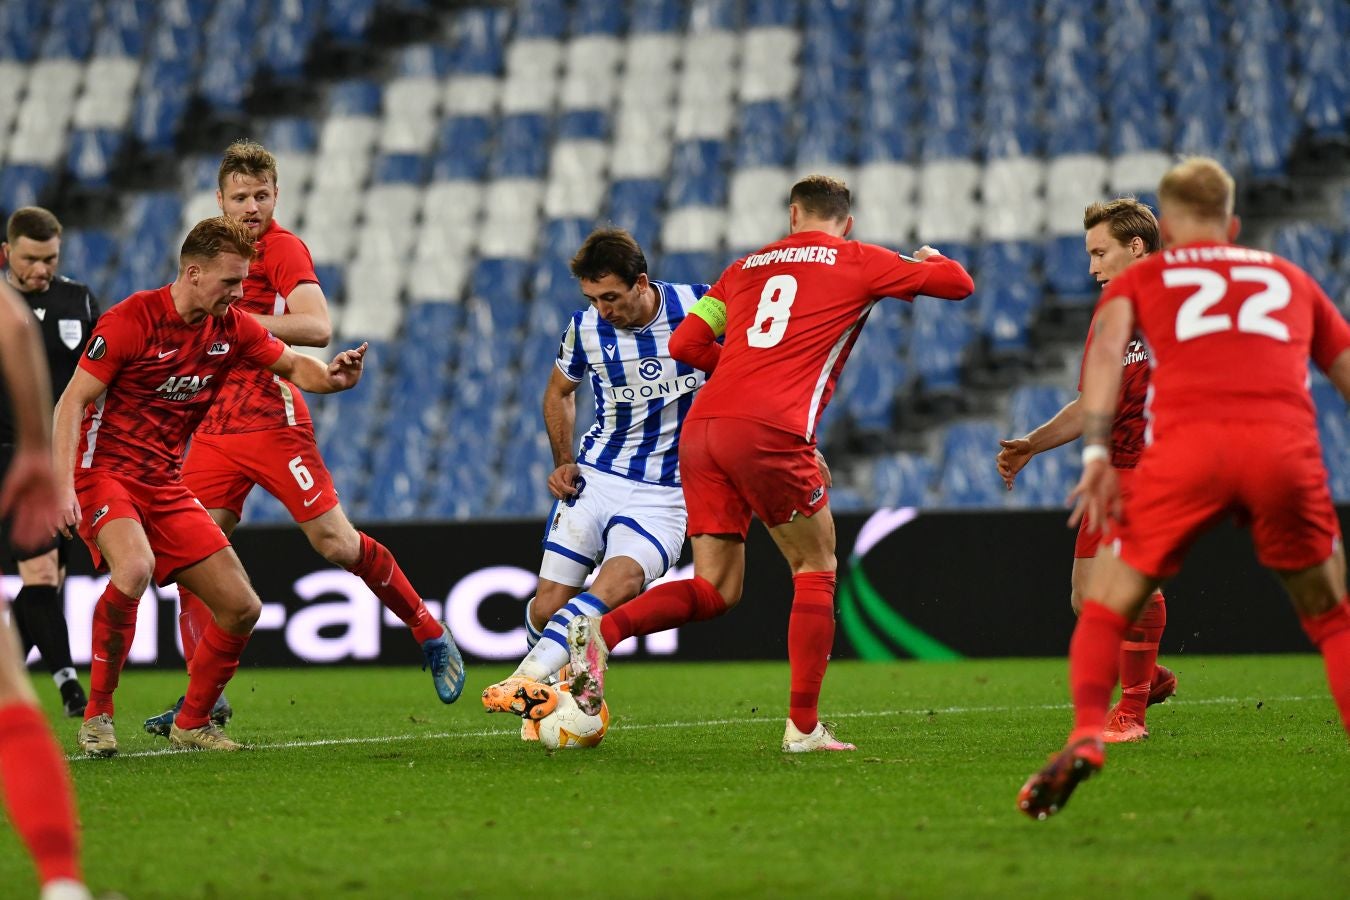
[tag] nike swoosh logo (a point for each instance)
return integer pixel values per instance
(610, 350)
(169, 353)
(312, 500)
(98, 658)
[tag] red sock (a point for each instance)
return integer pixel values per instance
(1139, 656)
(193, 617)
(214, 665)
(381, 573)
(810, 640)
(664, 606)
(37, 792)
(1094, 660)
(1330, 632)
(114, 630)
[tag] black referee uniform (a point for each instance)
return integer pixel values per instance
(66, 312)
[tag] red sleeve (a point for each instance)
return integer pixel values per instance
(256, 344)
(1331, 333)
(288, 264)
(1087, 345)
(693, 342)
(891, 274)
(115, 342)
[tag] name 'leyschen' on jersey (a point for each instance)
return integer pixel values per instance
(641, 394)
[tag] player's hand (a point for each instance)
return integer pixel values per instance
(1096, 497)
(1012, 457)
(28, 498)
(345, 369)
(924, 252)
(824, 468)
(563, 482)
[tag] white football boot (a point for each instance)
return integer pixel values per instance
(820, 739)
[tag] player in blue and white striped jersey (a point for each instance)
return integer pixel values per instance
(620, 505)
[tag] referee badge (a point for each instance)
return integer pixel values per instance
(71, 332)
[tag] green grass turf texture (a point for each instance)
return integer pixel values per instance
(1242, 791)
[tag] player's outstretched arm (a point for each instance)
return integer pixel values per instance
(944, 278)
(694, 342)
(28, 493)
(1339, 373)
(306, 322)
(314, 377)
(560, 419)
(1064, 426)
(82, 390)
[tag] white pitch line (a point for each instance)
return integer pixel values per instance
(701, 723)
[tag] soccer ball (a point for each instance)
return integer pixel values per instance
(568, 726)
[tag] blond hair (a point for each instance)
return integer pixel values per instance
(211, 237)
(247, 158)
(1128, 219)
(1199, 187)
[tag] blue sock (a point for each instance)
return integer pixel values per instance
(550, 654)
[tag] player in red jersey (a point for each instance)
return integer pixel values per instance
(1232, 431)
(153, 367)
(1117, 234)
(259, 431)
(33, 776)
(791, 313)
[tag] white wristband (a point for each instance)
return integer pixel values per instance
(1094, 452)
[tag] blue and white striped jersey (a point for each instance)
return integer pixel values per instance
(641, 394)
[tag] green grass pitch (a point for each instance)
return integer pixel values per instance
(361, 785)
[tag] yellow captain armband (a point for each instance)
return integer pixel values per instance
(712, 311)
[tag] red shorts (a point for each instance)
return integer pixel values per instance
(1090, 540)
(180, 531)
(1270, 477)
(222, 468)
(733, 467)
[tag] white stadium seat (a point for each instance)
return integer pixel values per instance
(1132, 173)
(589, 64)
(441, 277)
(758, 207)
(452, 201)
(1071, 182)
(1013, 206)
(769, 68)
(347, 136)
(109, 89)
(576, 182)
(410, 116)
(471, 95)
(693, 228)
(531, 75)
(884, 203)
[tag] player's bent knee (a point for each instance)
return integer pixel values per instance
(133, 576)
(339, 549)
(239, 616)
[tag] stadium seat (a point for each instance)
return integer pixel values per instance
(635, 204)
(657, 16)
(522, 147)
(768, 63)
(901, 479)
(463, 148)
(409, 121)
(1066, 267)
(1006, 308)
(532, 67)
(757, 212)
(969, 477)
(1071, 182)
(589, 61)
(693, 228)
(763, 135)
(937, 350)
(885, 207)
(1011, 189)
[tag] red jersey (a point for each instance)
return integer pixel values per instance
(794, 311)
(1127, 431)
(1230, 330)
(255, 399)
(162, 375)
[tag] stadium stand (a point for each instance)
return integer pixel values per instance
(443, 181)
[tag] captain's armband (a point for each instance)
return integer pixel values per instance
(713, 311)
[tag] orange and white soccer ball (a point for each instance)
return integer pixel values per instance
(568, 726)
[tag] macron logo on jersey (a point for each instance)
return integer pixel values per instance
(183, 387)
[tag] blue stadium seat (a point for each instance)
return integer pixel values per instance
(583, 125)
(501, 283)
(1325, 99)
(715, 15)
(285, 45)
(553, 286)
(477, 41)
(1008, 260)
(1010, 140)
(1033, 404)
(969, 477)
(120, 33)
(464, 146)
(400, 168)
(868, 389)
(292, 134)
(22, 184)
(559, 239)
(1310, 246)
(1265, 155)
(332, 278)
(937, 349)
(85, 253)
(355, 97)
(635, 204)
(522, 147)
(347, 20)
(598, 18)
(763, 135)
(901, 479)
(1006, 309)
(543, 19)
(766, 13)
(161, 102)
(826, 136)
(20, 26)
(68, 32)
(696, 174)
(224, 79)
(92, 154)
(425, 60)
(1066, 268)
(689, 268)
(657, 16)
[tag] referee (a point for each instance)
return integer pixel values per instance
(66, 312)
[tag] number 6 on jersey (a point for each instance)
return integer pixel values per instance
(773, 312)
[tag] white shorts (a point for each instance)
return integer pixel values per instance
(613, 516)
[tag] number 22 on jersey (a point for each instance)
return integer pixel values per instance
(1194, 318)
(773, 312)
